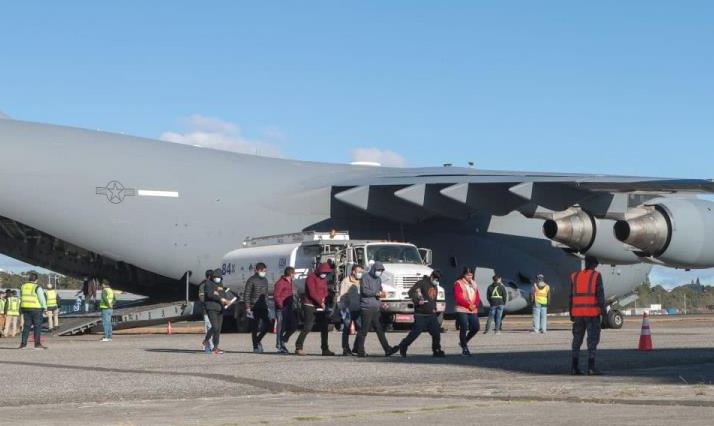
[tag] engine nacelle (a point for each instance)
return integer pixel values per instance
(586, 234)
(678, 232)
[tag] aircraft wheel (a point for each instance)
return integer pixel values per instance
(615, 319)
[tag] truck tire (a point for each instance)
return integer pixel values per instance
(615, 319)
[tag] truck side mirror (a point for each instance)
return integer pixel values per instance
(426, 256)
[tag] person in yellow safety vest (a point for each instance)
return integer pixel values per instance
(3, 305)
(106, 305)
(33, 305)
(52, 308)
(541, 299)
(12, 314)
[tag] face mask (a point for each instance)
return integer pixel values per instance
(49, 286)
(323, 276)
(358, 275)
(378, 273)
(262, 274)
(218, 280)
(436, 282)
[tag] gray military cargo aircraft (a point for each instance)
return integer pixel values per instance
(143, 213)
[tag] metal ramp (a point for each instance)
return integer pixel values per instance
(138, 316)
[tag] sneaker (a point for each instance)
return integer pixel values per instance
(439, 353)
(207, 349)
(217, 351)
(391, 351)
(346, 352)
(284, 351)
(485, 331)
(362, 355)
(300, 352)
(40, 346)
(22, 347)
(465, 351)
(205, 344)
(106, 339)
(327, 352)
(497, 332)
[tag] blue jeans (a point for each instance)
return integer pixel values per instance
(540, 318)
(468, 327)
(494, 314)
(347, 319)
(107, 322)
(33, 318)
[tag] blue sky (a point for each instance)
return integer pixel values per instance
(508, 85)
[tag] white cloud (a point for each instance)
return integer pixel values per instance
(215, 133)
(374, 155)
(670, 278)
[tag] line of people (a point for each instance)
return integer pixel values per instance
(358, 305)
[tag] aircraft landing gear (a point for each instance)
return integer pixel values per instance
(614, 319)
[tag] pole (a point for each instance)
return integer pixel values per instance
(188, 274)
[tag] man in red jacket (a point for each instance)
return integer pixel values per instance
(283, 296)
(314, 307)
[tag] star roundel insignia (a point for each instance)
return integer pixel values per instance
(115, 192)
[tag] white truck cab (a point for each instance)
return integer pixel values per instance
(404, 265)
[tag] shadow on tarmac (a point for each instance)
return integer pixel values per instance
(681, 365)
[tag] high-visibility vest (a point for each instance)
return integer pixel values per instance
(107, 301)
(2, 306)
(51, 298)
(584, 286)
(541, 295)
(496, 292)
(29, 299)
(13, 307)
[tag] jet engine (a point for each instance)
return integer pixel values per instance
(585, 234)
(678, 232)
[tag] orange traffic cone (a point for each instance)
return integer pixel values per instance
(353, 330)
(645, 336)
(169, 329)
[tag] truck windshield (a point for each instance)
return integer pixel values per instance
(394, 253)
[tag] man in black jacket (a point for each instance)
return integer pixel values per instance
(497, 297)
(424, 294)
(215, 302)
(256, 305)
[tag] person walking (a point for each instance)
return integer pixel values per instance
(313, 302)
(12, 314)
(33, 305)
(106, 306)
(424, 294)
(255, 296)
(540, 299)
(207, 345)
(497, 298)
(285, 300)
(350, 308)
(52, 307)
(587, 304)
(215, 305)
(467, 300)
(370, 294)
(3, 309)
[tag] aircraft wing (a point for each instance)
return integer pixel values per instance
(416, 194)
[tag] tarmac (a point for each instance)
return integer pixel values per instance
(512, 378)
